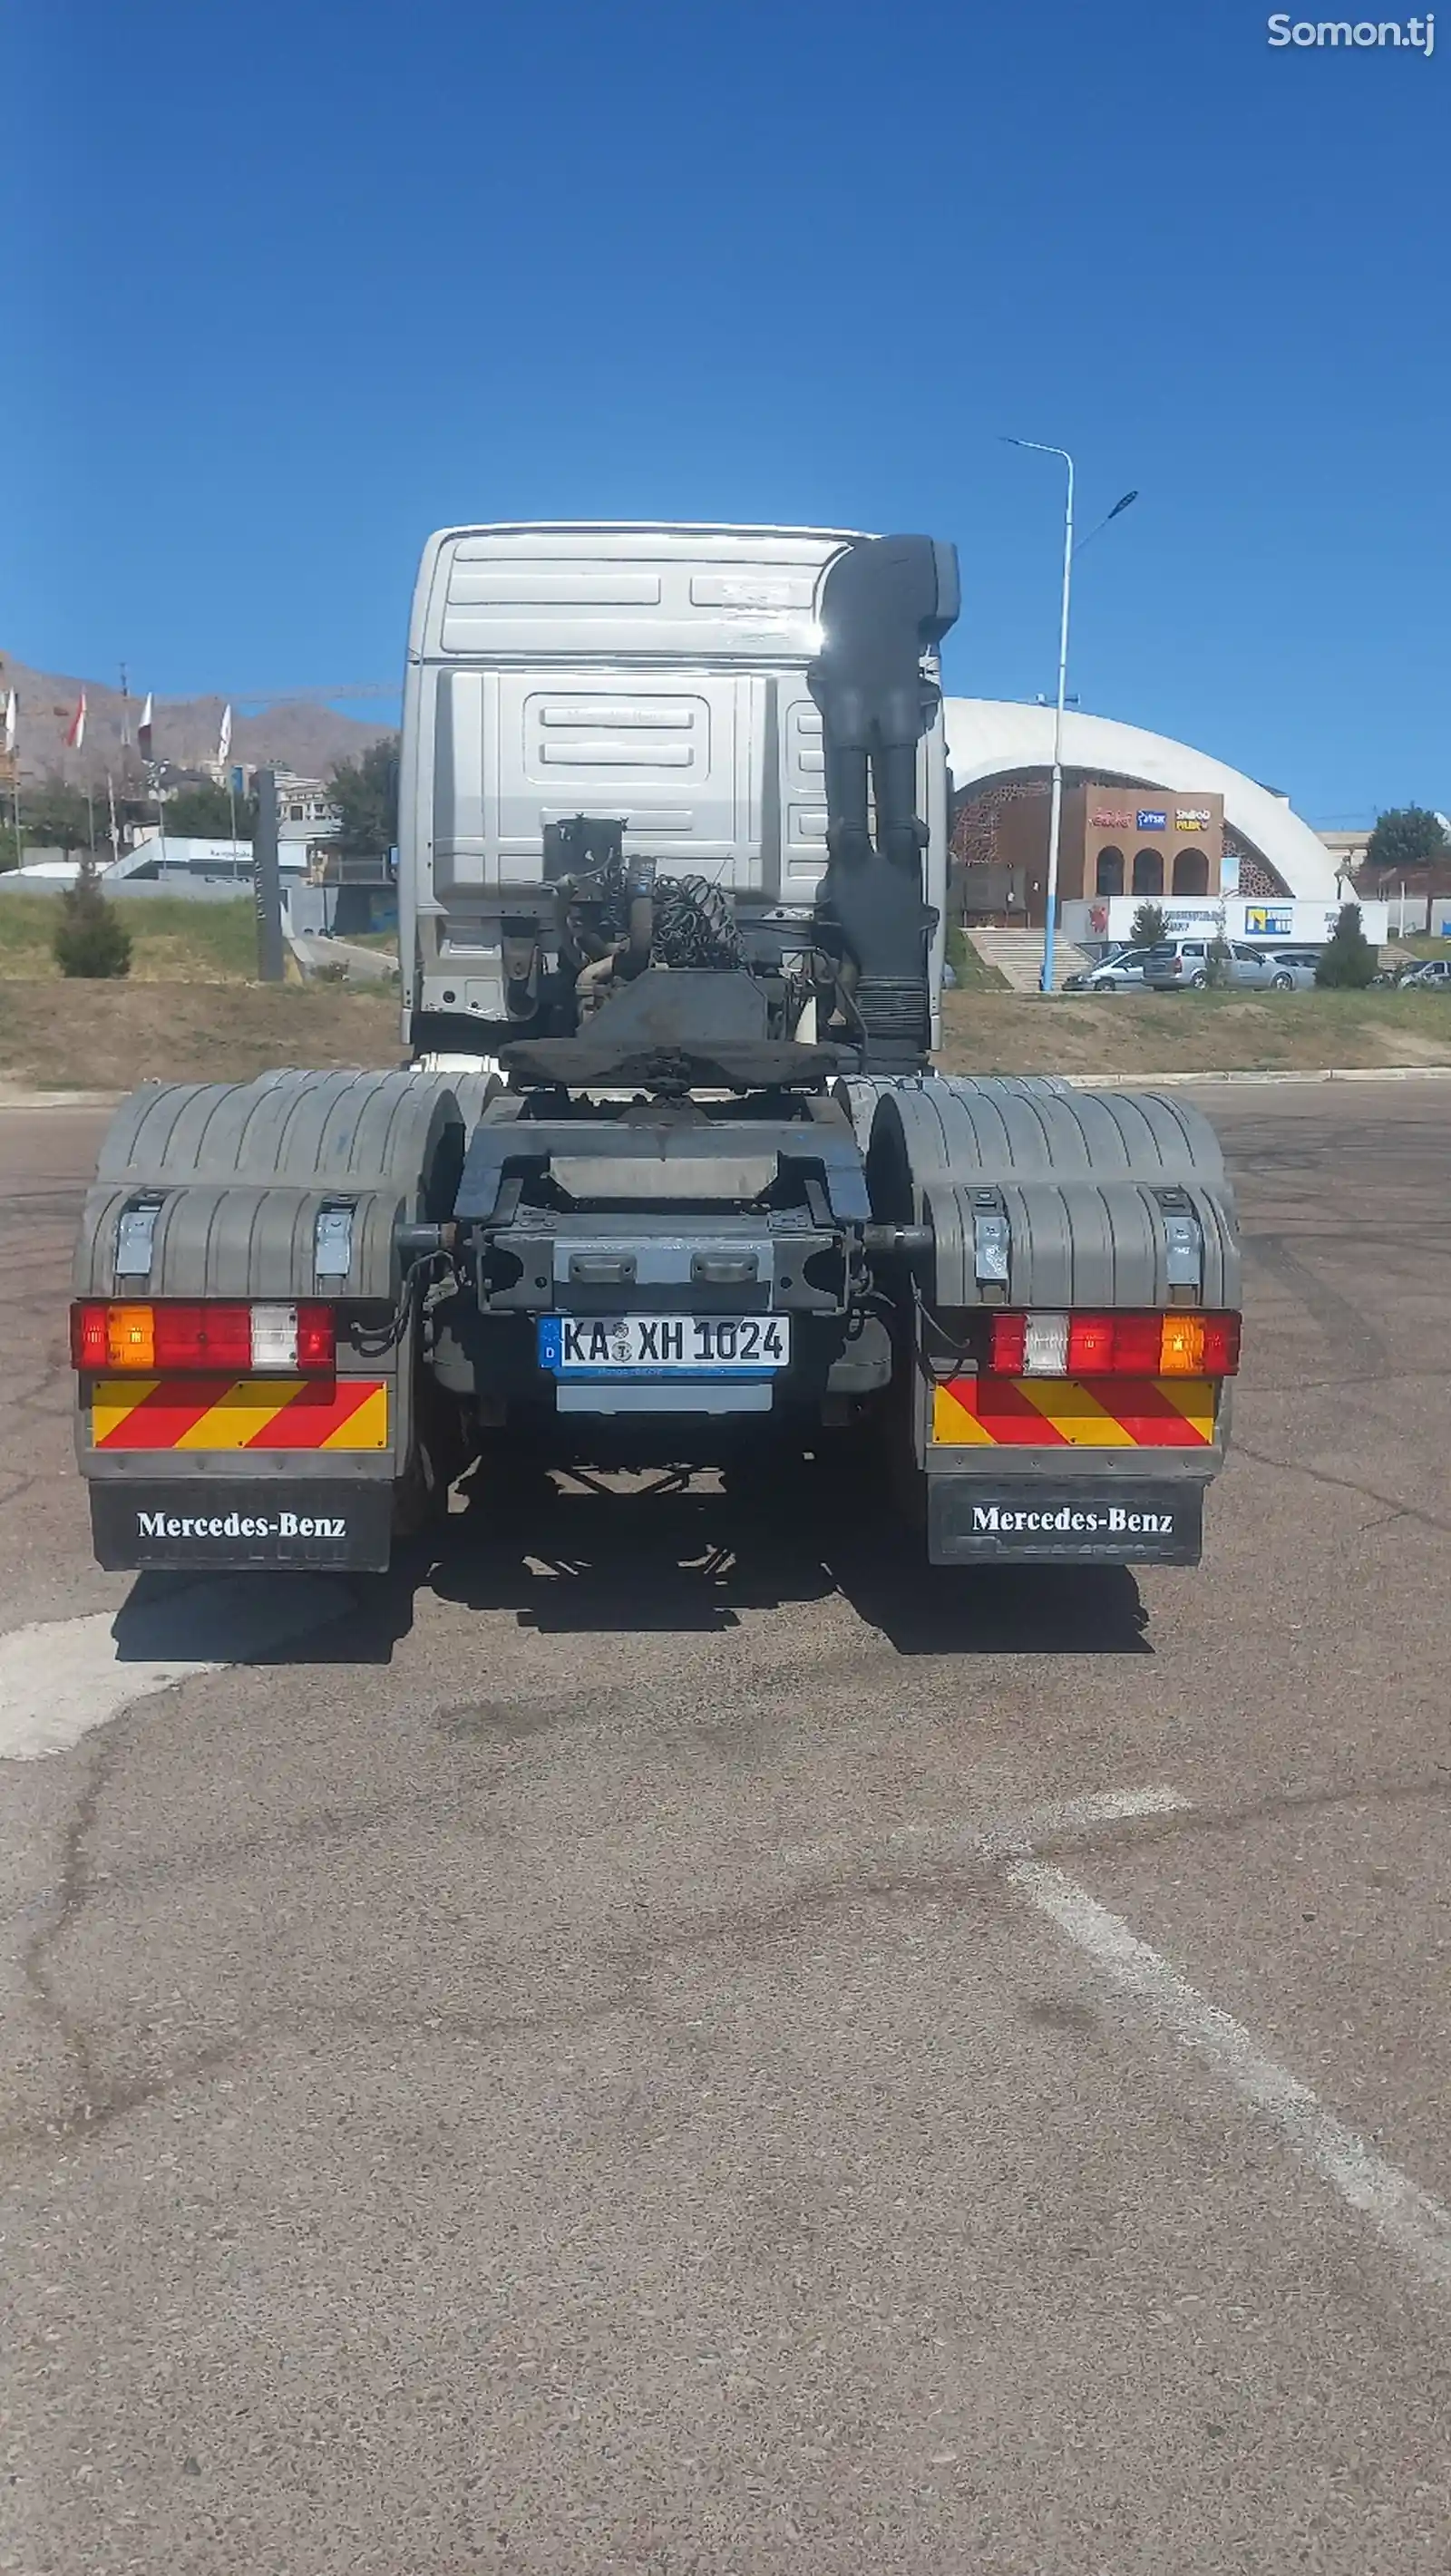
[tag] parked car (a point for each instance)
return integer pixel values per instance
(1433, 977)
(1123, 972)
(1177, 965)
(1294, 969)
(1257, 968)
(1275, 970)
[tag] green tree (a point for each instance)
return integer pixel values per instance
(365, 793)
(203, 812)
(1218, 963)
(1150, 924)
(55, 816)
(1405, 837)
(1347, 958)
(91, 939)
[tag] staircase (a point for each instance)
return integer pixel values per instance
(1018, 956)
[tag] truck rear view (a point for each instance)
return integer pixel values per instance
(667, 1158)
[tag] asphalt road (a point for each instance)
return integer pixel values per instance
(664, 2039)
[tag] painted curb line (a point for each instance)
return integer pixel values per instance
(12, 1096)
(1326, 1073)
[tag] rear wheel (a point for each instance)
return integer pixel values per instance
(1282, 983)
(1197, 983)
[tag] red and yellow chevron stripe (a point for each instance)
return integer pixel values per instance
(239, 1413)
(1067, 1412)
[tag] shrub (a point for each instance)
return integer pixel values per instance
(1348, 959)
(91, 939)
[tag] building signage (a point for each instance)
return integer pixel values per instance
(1150, 819)
(1263, 921)
(1110, 822)
(1191, 814)
(1188, 823)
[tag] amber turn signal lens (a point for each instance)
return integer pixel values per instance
(131, 1337)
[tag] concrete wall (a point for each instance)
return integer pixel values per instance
(1281, 923)
(130, 889)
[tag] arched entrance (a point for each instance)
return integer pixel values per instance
(1148, 872)
(1191, 872)
(1109, 877)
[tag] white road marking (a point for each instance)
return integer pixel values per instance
(1016, 1836)
(1000, 1837)
(1406, 2216)
(62, 1677)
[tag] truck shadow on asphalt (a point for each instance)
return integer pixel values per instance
(276, 1618)
(573, 1554)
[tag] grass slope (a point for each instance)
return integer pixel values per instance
(1149, 1033)
(110, 1037)
(171, 939)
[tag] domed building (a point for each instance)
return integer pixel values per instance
(1144, 818)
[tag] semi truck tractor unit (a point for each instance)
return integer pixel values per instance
(666, 1167)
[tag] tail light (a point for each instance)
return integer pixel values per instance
(214, 1337)
(1185, 1342)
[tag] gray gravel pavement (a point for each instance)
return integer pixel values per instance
(572, 2065)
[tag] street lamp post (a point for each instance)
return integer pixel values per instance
(1055, 808)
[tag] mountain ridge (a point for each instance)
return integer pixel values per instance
(291, 733)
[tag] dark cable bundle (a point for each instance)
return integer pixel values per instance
(694, 924)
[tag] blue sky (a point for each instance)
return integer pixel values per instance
(298, 282)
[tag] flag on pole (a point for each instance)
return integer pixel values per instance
(143, 730)
(12, 721)
(76, 729)
(224, 742)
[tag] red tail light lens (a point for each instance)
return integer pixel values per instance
(317, 1341)
(203, 1337)
(88, 1337)
(1008, 1344)
(1090, 1345)
(1137, 1344)
(1221, 1345)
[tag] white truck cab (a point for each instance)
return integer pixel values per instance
(654, 673)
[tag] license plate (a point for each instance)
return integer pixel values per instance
(654, 1346)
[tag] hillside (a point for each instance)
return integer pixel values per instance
(292, 733)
